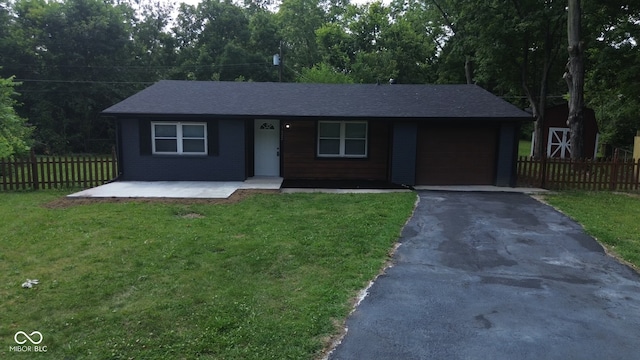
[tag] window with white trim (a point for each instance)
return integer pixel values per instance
(342, 139)
(179, 138)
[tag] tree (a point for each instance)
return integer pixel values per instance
(218, 40)
(335, 46)
(298, 21)
(515, 46)
(575, 80)
(612, 35)
(410, 40)
(74, 58)
(15, 134)
(454, 20)
(5, 25)
(77, 57)
(323, 74)
(152, 47)
(374, 43)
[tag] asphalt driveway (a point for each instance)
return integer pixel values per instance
(496, 276)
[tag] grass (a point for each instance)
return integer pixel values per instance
(612, 218)
(270, 277)
(524, 148)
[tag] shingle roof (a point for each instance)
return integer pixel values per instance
(252, 99)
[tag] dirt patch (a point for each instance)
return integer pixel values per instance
(237, 196)
(630, 194)
(192, 216)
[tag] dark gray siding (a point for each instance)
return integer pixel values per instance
(227, 165)
(403, 160)
(507, 154)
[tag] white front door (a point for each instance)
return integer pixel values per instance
(266, 147)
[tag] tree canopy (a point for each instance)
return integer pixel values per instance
(76, 57)
(15, 134)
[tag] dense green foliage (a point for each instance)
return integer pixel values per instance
(270, 277)
(77, 57)
(15, 134)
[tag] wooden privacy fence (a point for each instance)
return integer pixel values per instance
(48, 172)
(585, 174)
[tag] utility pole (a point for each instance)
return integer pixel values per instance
(278, 61)
(281, 63)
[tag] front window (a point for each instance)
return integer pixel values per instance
(179, 138)
(342, 139)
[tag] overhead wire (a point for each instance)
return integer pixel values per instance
(167, 67)
(82, 81)
(179, 67)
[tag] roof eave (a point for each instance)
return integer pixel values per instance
(312, 117)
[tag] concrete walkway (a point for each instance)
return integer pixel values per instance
(177, 189)
(496, 276)
(224, 189)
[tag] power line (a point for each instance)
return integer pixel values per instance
(168, 67)
(83, 81)
(526, 97)
(177, 67)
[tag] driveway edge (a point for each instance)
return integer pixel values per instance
(334, 341)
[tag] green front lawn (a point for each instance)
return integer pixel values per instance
(270, 277)
(613, 219)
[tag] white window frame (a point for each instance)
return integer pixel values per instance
(343, 138)
(179, 138)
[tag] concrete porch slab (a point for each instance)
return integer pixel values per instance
(176, 189)
(262, 183)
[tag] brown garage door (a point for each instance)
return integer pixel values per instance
(460, 155)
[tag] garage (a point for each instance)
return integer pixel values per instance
(460, 154)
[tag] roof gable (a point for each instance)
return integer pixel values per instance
(252, 99)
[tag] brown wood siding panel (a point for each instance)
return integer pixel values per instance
(300, 160)
(460, 155)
